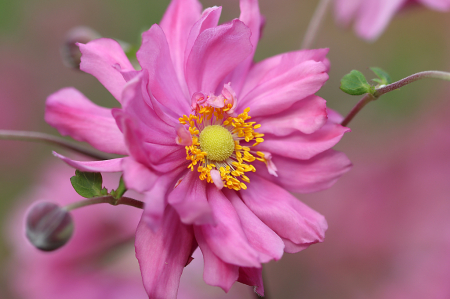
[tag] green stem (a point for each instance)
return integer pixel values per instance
(47, 138)
(314, 24)
(390, 87)
(105, 199)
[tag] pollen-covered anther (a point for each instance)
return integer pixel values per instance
(221, 143)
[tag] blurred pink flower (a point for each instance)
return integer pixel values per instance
(390, 218)
(371, 17)
(93, 265)
(198, 77)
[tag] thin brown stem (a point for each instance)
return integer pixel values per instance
(47, 138)
(105, 199)
(314, 24)
(363, 102)
(390, 87)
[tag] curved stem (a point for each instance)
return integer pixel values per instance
(393, 86)
(47, 138)
(414, 77)
(314, 24)
(363, 102)
(105, 199)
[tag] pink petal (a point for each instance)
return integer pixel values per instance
(71, 113)
(156, 198)
(133, 136)
(190, 201)
(216, 272)
(137, 176)
(345, 10)
(227, 239)
(442, 5)
(262, 238)
(270, 68)
(283, 213)
(374, 16)
(113, 165)
(215, 53)
(303, 146)
(284, 86)
(159, 127)
(306, 116)
(154, 56)
(210, 18)
(99, 58)
(252, 277)
(177, 22)
(305, 176)
(251, 17)
(163, 254)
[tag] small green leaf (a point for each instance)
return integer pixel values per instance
(118, 193)
(88, 184)
(355, 83)
(384, 78)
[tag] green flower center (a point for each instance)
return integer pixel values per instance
(217, 142)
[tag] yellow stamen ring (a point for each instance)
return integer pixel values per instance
(216, 138)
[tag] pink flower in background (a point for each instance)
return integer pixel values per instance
(208, 176)
(371, 17)
(391, 226)
(97, 263)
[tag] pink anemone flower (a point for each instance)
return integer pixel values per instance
(212, 140)
(373, 16)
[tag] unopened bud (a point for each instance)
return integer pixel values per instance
(70, 51)
(48, 226)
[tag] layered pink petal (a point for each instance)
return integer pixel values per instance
(163, 254)
(216, 272)
(283, 213)
(133, 136)
(190, 201)
(177, 22)
(306, 116)
(252, 277)
(210, 18)
(138, 176)
(272, 67)
(284, 86)
(154, 57)
(100, 58)
(215, 53)
(306, 176)
(137, 103)
(303, 146)
(261, 238)
(113, 165)
(227, 239)
(251, 17)
(71, 113)
(156, 198)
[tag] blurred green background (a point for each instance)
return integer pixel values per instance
(31, 68)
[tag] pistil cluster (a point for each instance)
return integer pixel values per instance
(207, 150)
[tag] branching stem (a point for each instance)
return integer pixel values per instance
(105, 199)
(390, 87)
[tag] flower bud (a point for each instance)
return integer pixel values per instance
(48, 226)
(70, 51)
